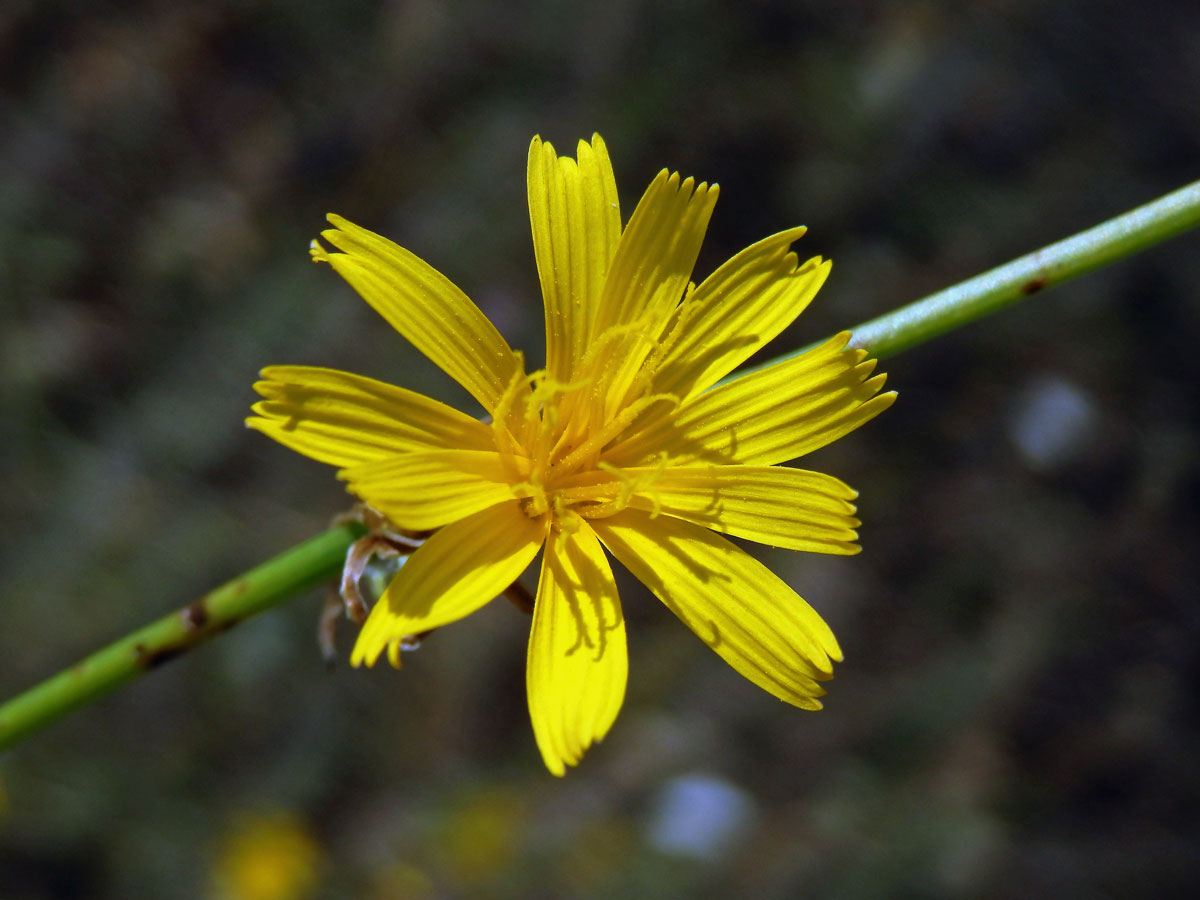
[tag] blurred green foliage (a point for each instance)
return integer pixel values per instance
(1017, 714)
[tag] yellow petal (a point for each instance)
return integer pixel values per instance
(577, 663)
(459, 569)
(766, 417)
(344, 419)
(658, 250)
(576, 225)
(424, 306)
(648, 276)
(734, 603)
(432, 488)
(791, 508)
(743, 305)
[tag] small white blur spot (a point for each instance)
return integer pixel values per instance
(700, 816)
(1052, 423)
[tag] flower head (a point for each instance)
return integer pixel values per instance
(625, 442)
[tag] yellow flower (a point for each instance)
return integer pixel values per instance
(268, 856)
(622, 442)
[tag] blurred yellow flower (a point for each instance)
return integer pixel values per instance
(268, 856)
(621, 442)
(483, 836)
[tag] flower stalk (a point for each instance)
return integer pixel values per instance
(320, 558)
(304, 566)
(999, 288)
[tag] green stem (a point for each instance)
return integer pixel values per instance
(1001, 287)
(321, 558)
(316, 560)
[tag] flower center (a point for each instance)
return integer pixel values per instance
(563, 430)
(589, 494)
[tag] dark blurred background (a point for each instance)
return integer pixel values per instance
(1017, 714)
